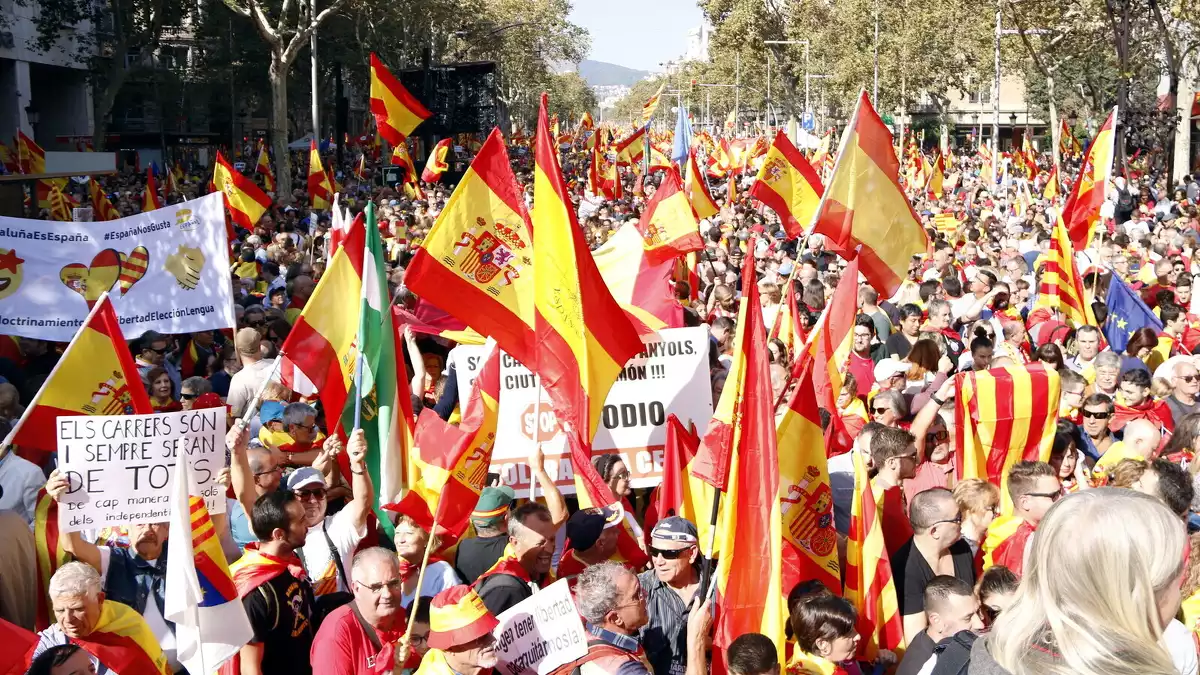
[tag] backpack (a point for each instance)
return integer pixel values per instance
(954, 654)
(1124, 200)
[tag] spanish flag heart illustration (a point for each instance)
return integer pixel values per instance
(92, 281)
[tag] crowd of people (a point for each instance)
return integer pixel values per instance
(1089, 571)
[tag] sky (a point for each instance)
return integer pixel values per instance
(637, 33)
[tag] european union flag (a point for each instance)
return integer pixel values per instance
(683, 137)
(1126, 313)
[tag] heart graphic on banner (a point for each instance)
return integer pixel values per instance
(92, 281)
(133, 268)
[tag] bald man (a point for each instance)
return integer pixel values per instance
(1141, 441)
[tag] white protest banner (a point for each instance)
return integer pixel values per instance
(540, 633)
(166, 270)
(669, 377)
(122, 467)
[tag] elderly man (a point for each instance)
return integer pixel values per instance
(460, 635)
(299, 439)
(670, 588)
(1087, 346)
(613, 605)
(1140, 440)
(356, 638)
(1186, 383)
(255, 471)
(1108, 373)
(936, 548)
(84, 617)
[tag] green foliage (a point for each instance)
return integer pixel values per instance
(570, 97)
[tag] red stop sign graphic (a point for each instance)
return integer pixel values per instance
(544, 423)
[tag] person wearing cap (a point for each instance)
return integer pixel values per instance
(670, 588)
(613, 605)
(891, 374)
(490, 520)
(361, 637)
(255, 370)
(591, 539)
(460, 635)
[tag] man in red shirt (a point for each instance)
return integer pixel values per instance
(1034, 487)
(361, 638)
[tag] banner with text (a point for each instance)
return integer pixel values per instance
(121, 467)
(670, 376)
(165, 270)
(540, 633)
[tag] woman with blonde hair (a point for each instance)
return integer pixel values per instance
(979, 503)
(1101, 585)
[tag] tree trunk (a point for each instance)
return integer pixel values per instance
(279, 128)
(1052, 108)
(1183, 131)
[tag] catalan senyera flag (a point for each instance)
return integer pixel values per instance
(668, 225)
(697, 190)
(631, 149)
(947, 224)
(1081, 213)
(788, 184)
(869, 583)
(583, 337)
(651, 105)
(200, 598)
(1061, 286)
(937, 177)
(263, 168)
(60, 204)
(396, 112)
(1050, 192)
(96, 375)
(864, 208)
(488, 284)
(642, 287)
(1003, 416)
(447, 467)
(320, 188)
(124, 643)
(150, 198)
(749, 577)
(437, 165)
(51, 554)
(244, 199)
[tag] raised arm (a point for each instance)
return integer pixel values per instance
(83, 550)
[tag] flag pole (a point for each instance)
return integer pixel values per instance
(362, 328)
(421, 573)
(252, 409)
(706, 570)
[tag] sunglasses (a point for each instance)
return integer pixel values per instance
(157, 351)
(879, 411)
(937, 436)
(1188, 378)
(316, 494)
(1052, 496)
(1096, 415)
(188, 397)
(668, 554)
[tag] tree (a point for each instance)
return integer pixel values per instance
(629, 108)
(570, 97)
(285, 35)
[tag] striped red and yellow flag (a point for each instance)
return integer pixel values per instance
(864, 211)
(150, 197)
(946, 224)
(651, 105)
(8, 158)
(869, 583)
(642, 287)
(436, 164)
(668, 225)
(749, 578)
(1004, 416)
(1061, 285)
(789, 185)
(583, 336)
(244, 199)
(102, 208)
(937, 177)
(124, 643)
(397, 113)
(263, 168)
(488, 283)
(170, 185)
(831, 339)
(697, 190)
(786, 327)
(60, 204)
(586, 123)
(1092, 186)
(320, 189)
(51, 554)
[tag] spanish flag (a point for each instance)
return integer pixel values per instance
(668, 225)
(487, 283)
(8, 159)
(436, 164)
(396, 112)
(864, 211)
(749, 578)
(1050, 192)
(788, 184)
(263, 168)
(786, 327)
(170, 185)
(31, 158)
(869, 583)
(150, 198)
(651, 105)
(124, 643)
(937, 177)
(586, 123)
(697, 190)
(583, 337)
(320, 188)
(245, 200)
(642, 287)
(1091, 188)
(96, 375)
(681, 493)
(1003, 416)
(631, 149)
(102, 208)
(829, 346)
(1061, 286)
(1067, 143)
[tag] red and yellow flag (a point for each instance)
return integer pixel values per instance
(170, 185)
(642, 288)
(869, 583)
(583, 337)
(697, 190)
(668, 225)
(320, 188)
(60, 204)
(865, 210)
(244, 199)
(51, 554)
(1061, 286)
(488, 282)
(1003, 416)
(31, 158)
(1067, 143)
(651, 105)
(1050, 192)
(788, 184)
(436, 164)
(937, 177)
(150, 198)
(631, 149)
(586, 123)
(263, 168)
(102, 208)
(1082, 210)
(396, 112)
(8, 159)
(123, 641)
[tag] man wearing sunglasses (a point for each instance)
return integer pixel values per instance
(1034, 487)
(1186, 383)
(670, 588)
(1094, 418)
(152, 353)
(936, 548)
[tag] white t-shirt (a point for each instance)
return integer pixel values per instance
(438, 577)
(1182, 646)
(245, 383)
(315, 552)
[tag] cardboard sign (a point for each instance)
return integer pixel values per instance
(540, 633)
(122, 467)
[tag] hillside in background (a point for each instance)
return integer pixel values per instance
(601, 74)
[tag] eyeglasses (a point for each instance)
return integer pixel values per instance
(624, 475)
(1188, 378)
(315, 494)
(277, 469)
(937, 436)
(957, 520)
(668, 554)
(1052, 496)
(392, 585)
(1096, 415)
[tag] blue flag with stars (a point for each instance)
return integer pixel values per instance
(1126, 313)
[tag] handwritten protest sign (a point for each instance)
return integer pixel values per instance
(540, 633)
(122, 467)
(670, 376)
